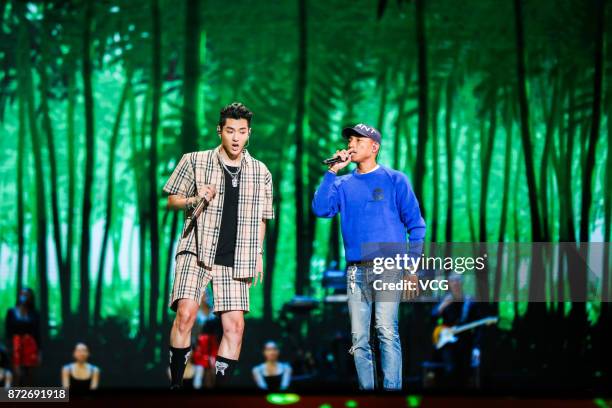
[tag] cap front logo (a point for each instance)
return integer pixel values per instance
(364, 127)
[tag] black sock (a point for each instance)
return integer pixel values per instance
(178, 361)
(224, 368)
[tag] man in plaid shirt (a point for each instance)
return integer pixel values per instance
(227, 198)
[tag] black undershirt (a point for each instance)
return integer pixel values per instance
(226, 245)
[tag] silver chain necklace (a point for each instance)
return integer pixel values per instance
(234, 176)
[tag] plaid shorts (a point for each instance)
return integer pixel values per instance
(191, 278)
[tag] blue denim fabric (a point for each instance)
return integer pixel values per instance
(361, 297)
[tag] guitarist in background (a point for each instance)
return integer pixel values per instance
(462, 357)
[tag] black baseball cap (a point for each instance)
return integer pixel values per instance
(362, 130)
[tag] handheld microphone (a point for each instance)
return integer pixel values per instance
(194, 216)
(198, 210)
(332, 160)
(338, 159)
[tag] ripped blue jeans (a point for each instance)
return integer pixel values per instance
(361, 297)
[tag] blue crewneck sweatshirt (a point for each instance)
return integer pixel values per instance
(379, 206)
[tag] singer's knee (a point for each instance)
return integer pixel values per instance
(233, 327)
(186, 315)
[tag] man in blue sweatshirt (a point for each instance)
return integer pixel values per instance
(376, 205)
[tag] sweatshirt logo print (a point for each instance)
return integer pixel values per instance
(378, 194)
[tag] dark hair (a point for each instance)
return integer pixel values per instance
(234, 110)
(30, 304)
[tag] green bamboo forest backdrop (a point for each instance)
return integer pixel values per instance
(499, 112)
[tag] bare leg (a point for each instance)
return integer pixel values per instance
(233, 328)
(229, 349)
(180, 334)
(209, 377)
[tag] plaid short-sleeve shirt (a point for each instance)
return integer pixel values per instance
(201, 236)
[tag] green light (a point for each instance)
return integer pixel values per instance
(414, 400)
(283, 399)
(351, 403)
(601, 403)
(325, 406)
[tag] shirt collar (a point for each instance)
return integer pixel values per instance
(368, 172)
(247, 159)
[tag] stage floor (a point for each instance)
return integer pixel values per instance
(167, 398)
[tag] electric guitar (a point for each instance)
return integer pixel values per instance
(443, 335)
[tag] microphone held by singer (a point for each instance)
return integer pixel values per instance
(335, 159)
(332, 160)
